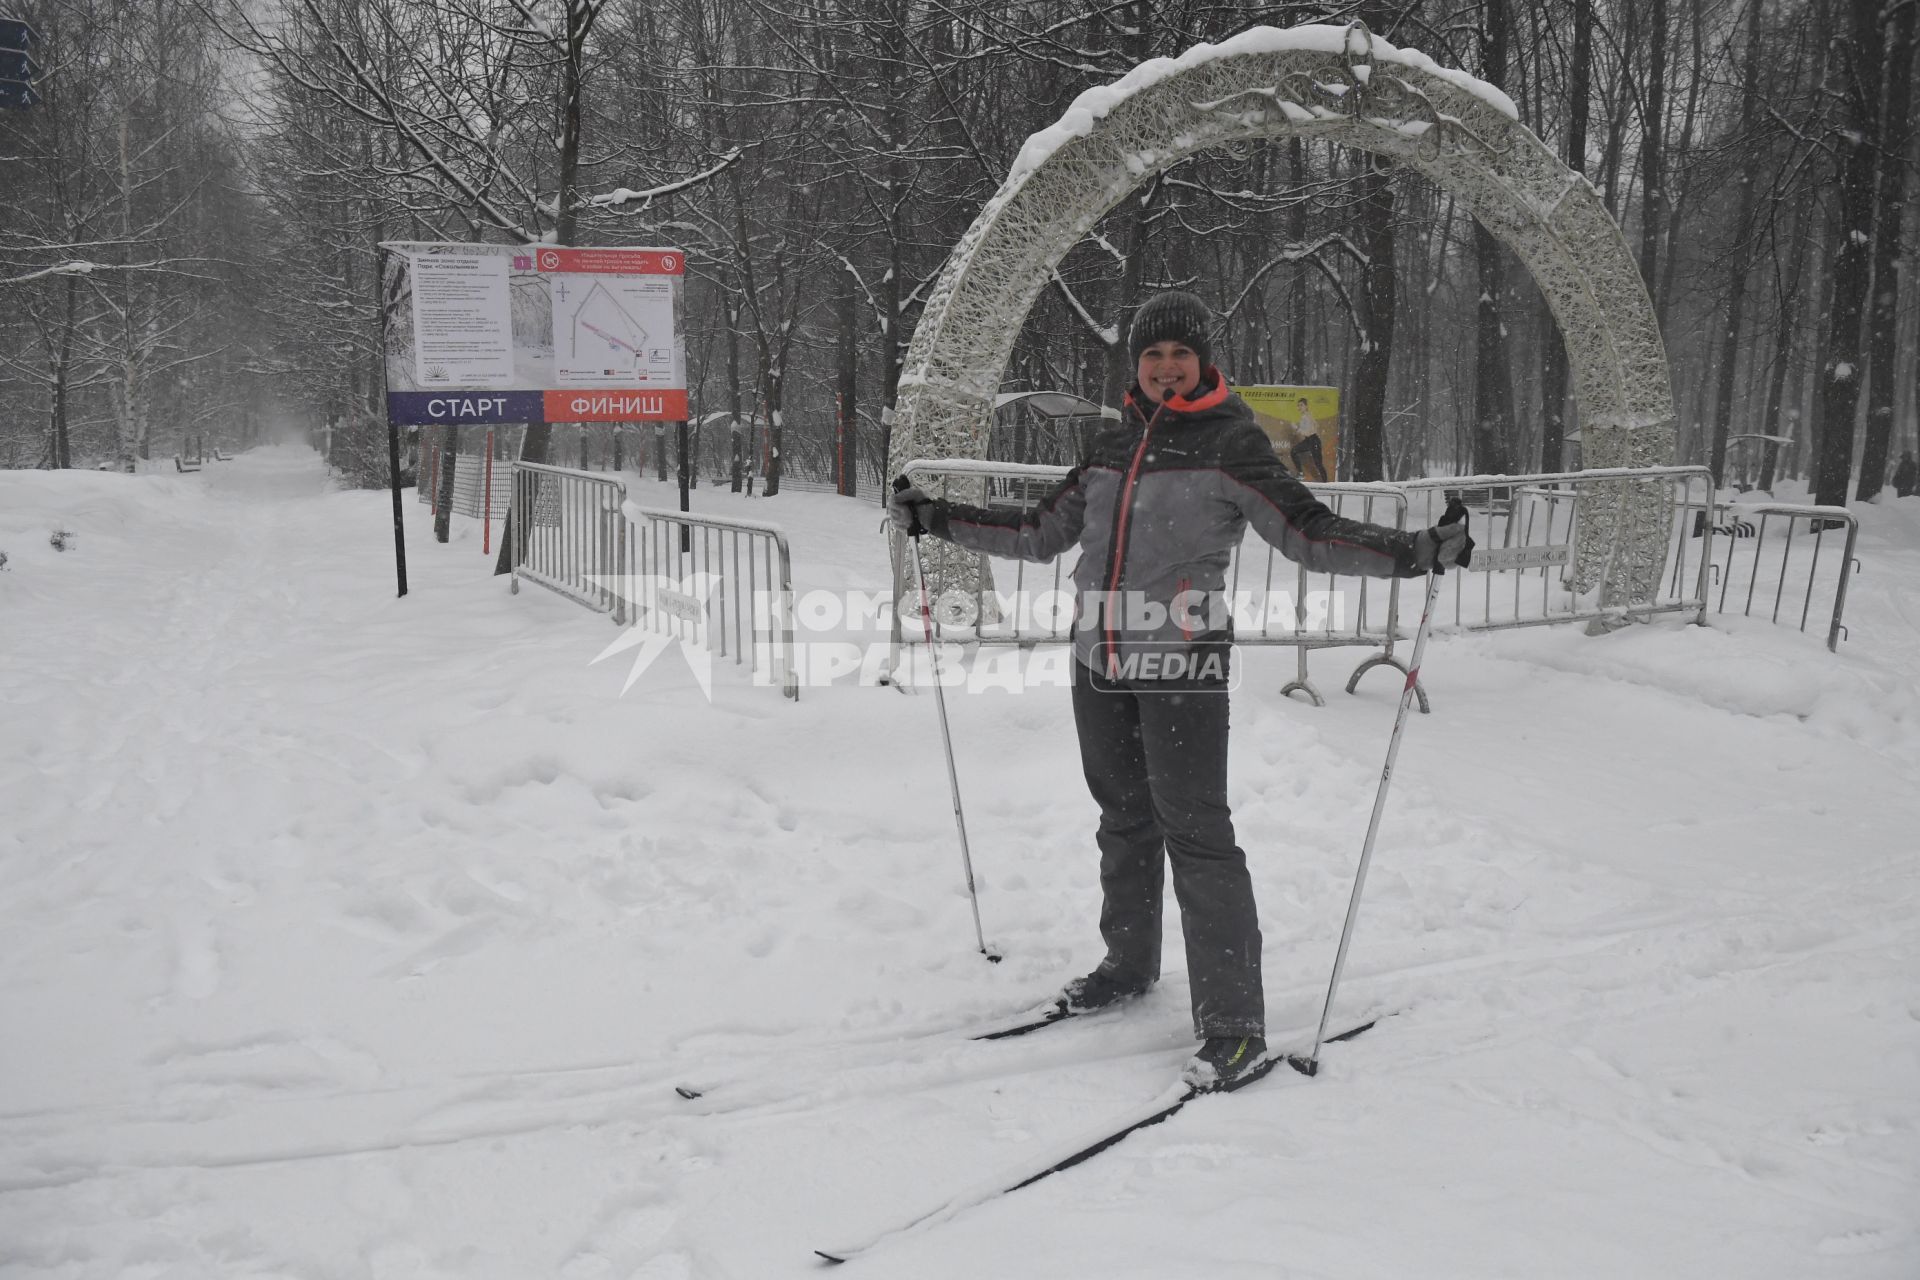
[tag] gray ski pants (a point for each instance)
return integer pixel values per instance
(1155, 757)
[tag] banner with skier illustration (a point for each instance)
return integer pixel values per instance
(479, 333)
(1304, 425)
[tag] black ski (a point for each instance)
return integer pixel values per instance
(1149, 1114)
(1025, 1024)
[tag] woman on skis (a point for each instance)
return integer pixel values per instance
(1157, 508)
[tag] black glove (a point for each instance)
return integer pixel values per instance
(910, 507)
(1444, 545)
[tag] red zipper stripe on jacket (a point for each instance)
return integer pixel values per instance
(1120, 537)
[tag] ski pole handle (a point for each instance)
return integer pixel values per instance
(1456, 513)
(916, 529)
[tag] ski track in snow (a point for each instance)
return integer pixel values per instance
(361, 937)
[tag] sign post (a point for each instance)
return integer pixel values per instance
(686, 465)
(393, 466)
(399, 510)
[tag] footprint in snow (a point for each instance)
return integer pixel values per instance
(626, 1232)
(196, 959)
(1861, 1240)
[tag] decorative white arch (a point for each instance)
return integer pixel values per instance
(1344, 85)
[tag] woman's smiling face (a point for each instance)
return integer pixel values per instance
(1168, 369)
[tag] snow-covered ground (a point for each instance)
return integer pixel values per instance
(347, 936)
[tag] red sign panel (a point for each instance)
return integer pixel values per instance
(612, 262)
(599, 405)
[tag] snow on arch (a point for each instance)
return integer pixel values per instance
(1338, 83)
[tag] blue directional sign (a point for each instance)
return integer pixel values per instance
(16, 94)
(17, 68)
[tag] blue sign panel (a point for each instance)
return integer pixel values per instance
(17, 70)
(456, 408)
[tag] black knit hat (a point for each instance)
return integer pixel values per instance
(1173, 316)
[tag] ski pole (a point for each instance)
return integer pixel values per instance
(946, 733)
(1456, 510)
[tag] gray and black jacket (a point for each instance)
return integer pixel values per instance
(1158, 506)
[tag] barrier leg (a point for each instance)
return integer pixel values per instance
(1301, 684)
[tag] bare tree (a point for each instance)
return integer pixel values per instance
(1493, 380)
(1883, 316)
(1856, 67)
(124, 231)
(1740, 260)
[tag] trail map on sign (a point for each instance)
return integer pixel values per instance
(612, 331)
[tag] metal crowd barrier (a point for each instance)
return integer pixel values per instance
(726, 584)
(1358, 610)
(1527, 533)
(569, 535)
(1757, 561)
(1015, 486)
(1528, 567)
